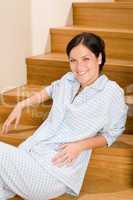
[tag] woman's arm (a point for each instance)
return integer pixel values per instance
(94, 142)
(38, 98)
(15, 115)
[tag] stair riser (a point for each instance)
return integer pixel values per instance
(115, 171)
(117, 45)
(120, 75)
(44, 74)
(105, 15)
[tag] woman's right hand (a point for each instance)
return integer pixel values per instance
(14, 116)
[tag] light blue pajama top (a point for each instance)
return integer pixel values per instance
(98, 109)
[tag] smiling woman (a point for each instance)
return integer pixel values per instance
(87, 57)
(88, 111)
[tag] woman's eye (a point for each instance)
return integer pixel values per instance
(72, 60)
(86, 59)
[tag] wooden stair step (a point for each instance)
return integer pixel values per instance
(16, 136)
(30, 116)
(43, 65)
(104, 14)
(62, 58)
(20, 93)
(121, 195)
(119, 42)
(131, 1)
(44, 69)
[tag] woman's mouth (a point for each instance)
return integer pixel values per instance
(81, 73)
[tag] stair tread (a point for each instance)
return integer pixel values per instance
(128, 33)
(22, 92)
(104, 4)
(25, 90)
(57, 56)
(121, 195)
(50, 56)
(21, 132)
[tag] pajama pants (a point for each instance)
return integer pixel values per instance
(21, 174)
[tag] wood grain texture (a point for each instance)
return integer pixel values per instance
(118, 42)
(34, 115)
(105, 15)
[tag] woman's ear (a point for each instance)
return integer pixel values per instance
(100, 59)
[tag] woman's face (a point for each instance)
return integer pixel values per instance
(84, 64)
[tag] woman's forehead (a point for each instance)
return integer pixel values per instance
(80, 51)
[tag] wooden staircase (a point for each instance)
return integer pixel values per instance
(110, 173)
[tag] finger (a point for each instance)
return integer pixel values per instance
(17, 122)
(62, 146)
(68, 164)
(60, 159)
(4, 127)
(8, 124)
(56, 157)
(7, 127)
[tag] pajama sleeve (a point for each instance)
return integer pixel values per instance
(52, 89)
(116, 118)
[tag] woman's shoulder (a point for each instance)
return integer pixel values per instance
(68, 77)
(114, 88)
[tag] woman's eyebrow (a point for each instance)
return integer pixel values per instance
(79, 57)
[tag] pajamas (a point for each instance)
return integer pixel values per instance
(21, 174)
(98, 109)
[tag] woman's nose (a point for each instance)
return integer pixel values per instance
(79, 65)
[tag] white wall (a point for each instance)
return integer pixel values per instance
(15, 42)
(24, 31)
(47, 14)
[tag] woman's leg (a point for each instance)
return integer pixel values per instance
(5, 193)
(22, 175)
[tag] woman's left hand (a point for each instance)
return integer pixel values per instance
(67, 153)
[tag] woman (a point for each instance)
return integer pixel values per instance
(88, 111)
